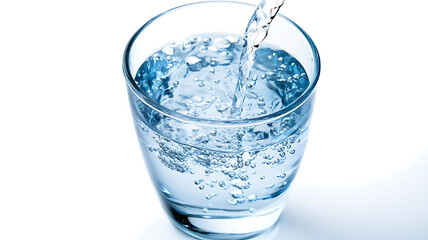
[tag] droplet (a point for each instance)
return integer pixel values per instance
(205, 210)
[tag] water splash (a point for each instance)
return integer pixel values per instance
(256, 32)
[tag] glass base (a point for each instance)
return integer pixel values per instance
(209, 227)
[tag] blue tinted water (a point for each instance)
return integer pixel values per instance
(228, 171)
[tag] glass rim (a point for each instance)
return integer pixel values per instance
(219, 122)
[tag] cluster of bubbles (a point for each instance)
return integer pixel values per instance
(197, 77)
(243, 175)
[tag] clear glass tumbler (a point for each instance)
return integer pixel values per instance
(220, 179)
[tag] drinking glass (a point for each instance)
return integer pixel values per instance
(220, 179)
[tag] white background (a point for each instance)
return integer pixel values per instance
(70, 166)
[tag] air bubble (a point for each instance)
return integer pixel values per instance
(252, 198)
(186, 45)
(202, 138)
(210, 196)
(228, 72)
(262, 112)
(282, 175)
(168, 50)
(244, 177)
(221, 43)
(237, 193)
(194, 63)
(203, 49)
(221, 107)
(205, 210)
(199, 181)
(253, 165)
